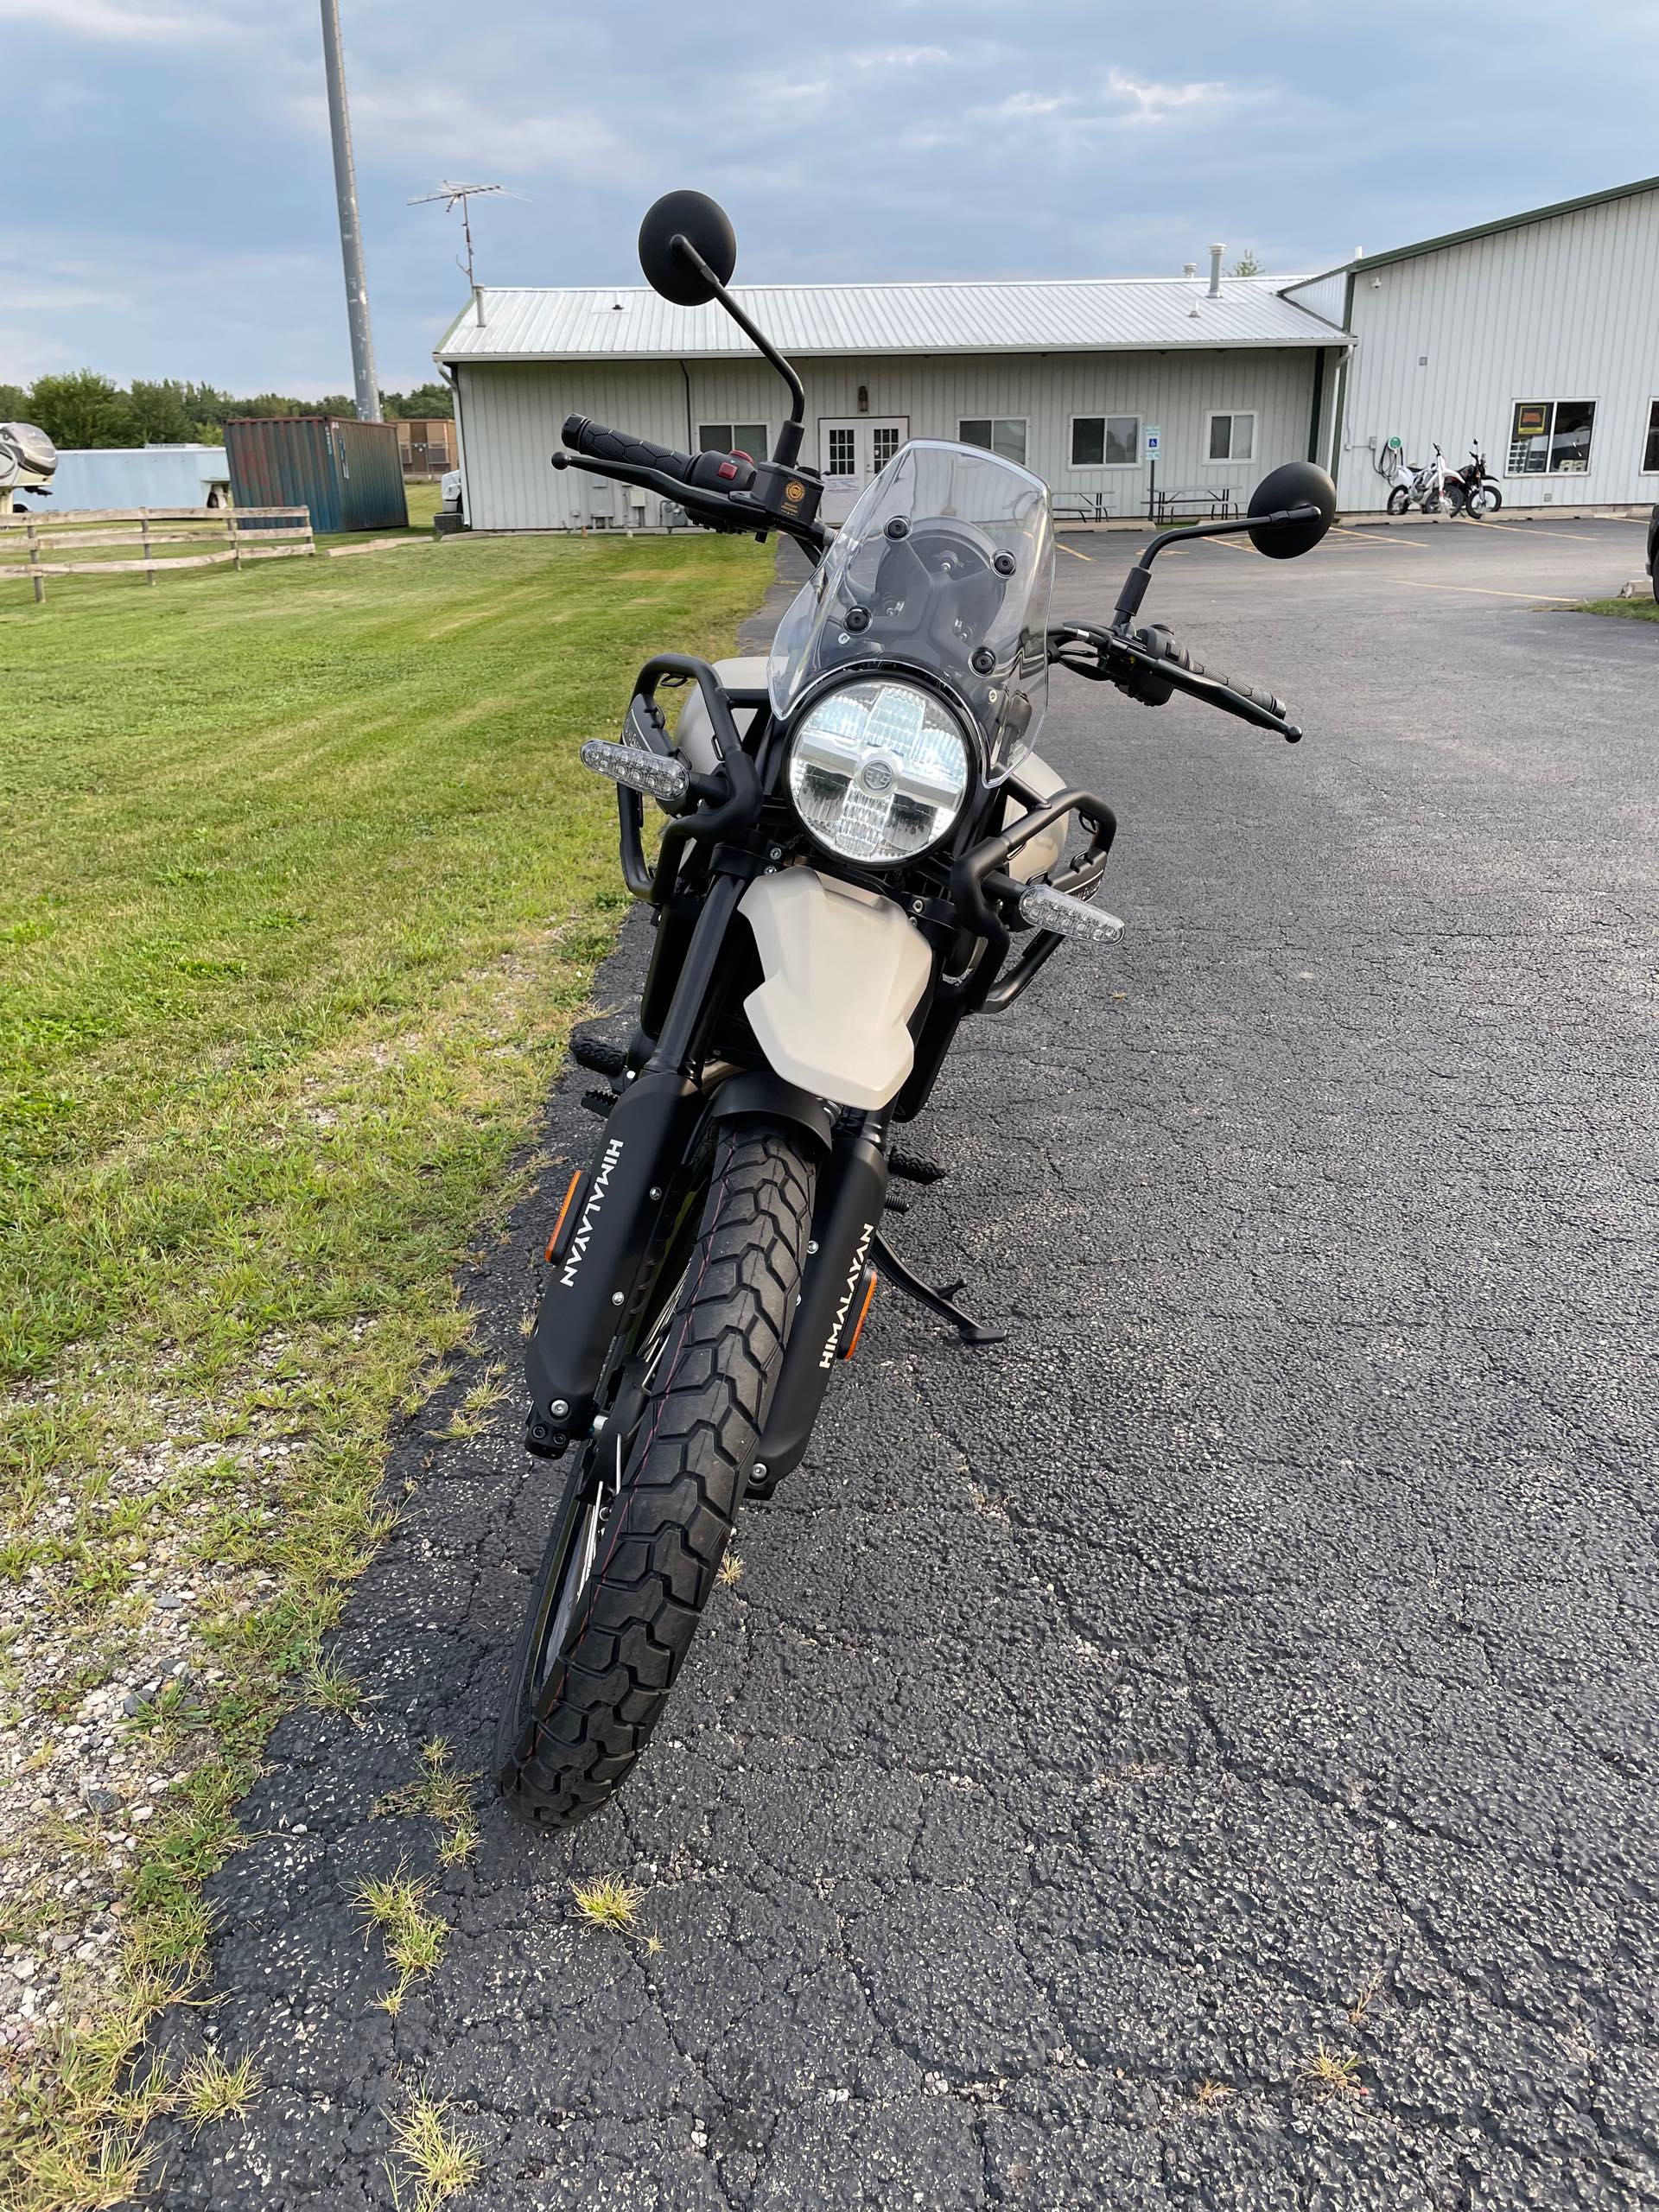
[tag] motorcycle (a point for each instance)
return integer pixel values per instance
(1481, 492)
(1430, 484)
(29, 461)
(862, 850)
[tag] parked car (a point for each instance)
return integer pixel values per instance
(451, 505)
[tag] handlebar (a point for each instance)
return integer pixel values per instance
(713, 472)
(1183, 658)
(727, 490)
(1148, 665)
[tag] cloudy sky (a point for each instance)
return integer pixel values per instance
(171, 207)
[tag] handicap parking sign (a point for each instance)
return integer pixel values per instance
(1154, 436)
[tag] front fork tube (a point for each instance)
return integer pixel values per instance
(853, 1190)
(594, 1275)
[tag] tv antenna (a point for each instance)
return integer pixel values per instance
(460, 195)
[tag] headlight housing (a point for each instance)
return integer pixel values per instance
(879, 770)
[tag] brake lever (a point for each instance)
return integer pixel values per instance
(1167, 676)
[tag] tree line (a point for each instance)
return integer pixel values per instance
(84, 408)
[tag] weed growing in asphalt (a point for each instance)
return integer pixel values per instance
(731, 1571)
(443, 1796)
(211, 2090)
(331, 1689)
(413, 1937)
(438, 2162)
(1332, 2076)
(1209, 2096)
(609, 1902)
(1359, 2010)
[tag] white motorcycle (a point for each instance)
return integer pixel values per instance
(1429, 485)
(863, 850)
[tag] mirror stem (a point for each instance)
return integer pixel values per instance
(1135, 583)
(787, 450)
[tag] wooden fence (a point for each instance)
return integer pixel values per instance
(154, 530)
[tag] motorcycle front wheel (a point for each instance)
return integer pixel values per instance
(1399, 499)
(649, 1507)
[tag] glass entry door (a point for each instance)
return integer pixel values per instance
(852, 449)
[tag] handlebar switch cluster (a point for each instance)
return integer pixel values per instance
(792, 494)
(1143, 684)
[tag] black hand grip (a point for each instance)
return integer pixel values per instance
(585, 436)
(1183, 658)
(723, 472)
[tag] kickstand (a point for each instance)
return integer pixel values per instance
(936, 1301)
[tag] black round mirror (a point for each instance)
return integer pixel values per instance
(704, 223)
(1298, 484)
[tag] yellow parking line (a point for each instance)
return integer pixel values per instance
(1527, 530)
(1369, 536)
(1561, 598)
(1073, 551)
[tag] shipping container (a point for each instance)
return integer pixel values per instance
(140, 476)
(349, 474)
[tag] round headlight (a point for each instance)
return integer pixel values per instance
(878, 771)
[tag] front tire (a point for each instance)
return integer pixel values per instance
(1399, 499)
(649, 1507)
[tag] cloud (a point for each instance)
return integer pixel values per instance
(33, 296)
(1035, 103)
(1157, 103)
(433, 130)
(138, 21)
(1120, 100)
(901, 57)
(28, 353)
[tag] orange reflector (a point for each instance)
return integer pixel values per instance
(852, 1342)
(563, 1210)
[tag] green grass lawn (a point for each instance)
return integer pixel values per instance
(1633, 610)
(303, 887)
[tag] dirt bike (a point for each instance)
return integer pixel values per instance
(1429, 485)
(1481, 492)
(862, 850)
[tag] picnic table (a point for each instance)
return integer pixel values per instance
(1214, 499)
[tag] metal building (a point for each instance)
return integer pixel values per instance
(97, 477)
(1538, 334)
(1068, 378)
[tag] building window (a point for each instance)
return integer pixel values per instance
(885, 441)
(1650, 457)
(1551, 437)
(998, 434)
(734, 437)
(1232, 437)
(1105, 441)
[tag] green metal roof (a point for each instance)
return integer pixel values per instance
(1505, 223)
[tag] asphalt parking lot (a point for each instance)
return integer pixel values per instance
(1246, 1676)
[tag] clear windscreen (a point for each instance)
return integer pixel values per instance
(946, 564)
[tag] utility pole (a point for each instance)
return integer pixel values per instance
(351, 230)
